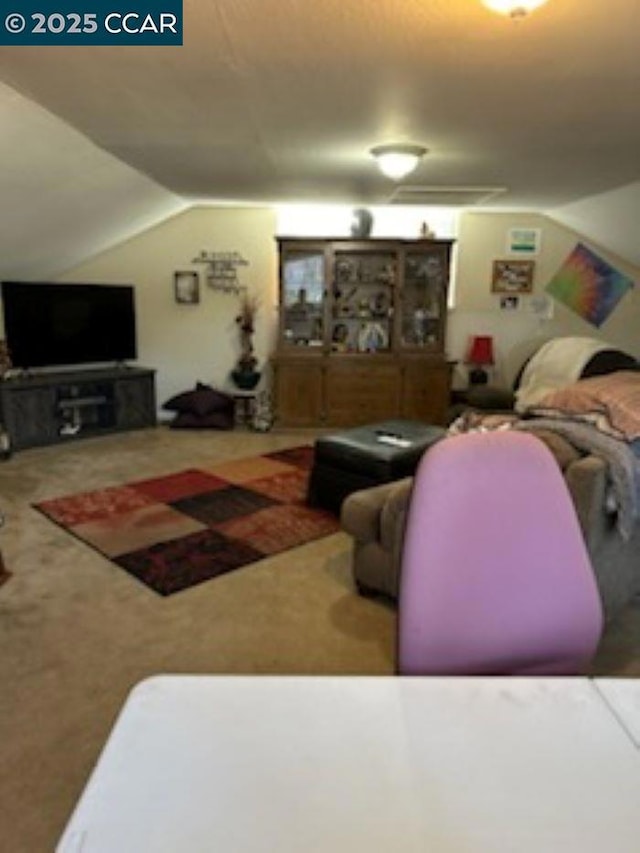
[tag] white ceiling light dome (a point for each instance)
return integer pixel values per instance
(513, 8)
(396, 161)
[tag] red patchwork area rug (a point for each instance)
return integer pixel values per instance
(177, 531)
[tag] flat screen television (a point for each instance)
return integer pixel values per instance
(51, 324)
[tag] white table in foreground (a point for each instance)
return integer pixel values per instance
(284, 764)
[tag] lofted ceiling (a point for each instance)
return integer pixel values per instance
(281, 100)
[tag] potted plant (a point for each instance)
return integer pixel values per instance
(245, 374)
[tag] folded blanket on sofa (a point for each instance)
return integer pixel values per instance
(623, 466)
(557, 363)
(610, 403)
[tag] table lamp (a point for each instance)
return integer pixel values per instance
(480, 354)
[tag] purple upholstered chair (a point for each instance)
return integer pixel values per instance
(495, 578)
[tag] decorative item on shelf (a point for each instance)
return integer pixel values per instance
(480, 355)
(420, 318)
(245, 374)
(263, 416)
(364, 309)
(515, 9)
(425, 232)
(387, 274)
(361, 223)
(381, 304)
(343, 306)
(222, 274)
(300, 308)
(340, 337)
(345, 271)
(372, 337)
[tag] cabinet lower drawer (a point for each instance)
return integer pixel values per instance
(347, 391)
(357, 395)
(425, 392)
(298, 393)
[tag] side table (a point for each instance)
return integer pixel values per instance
(252, 407)
(245, 404)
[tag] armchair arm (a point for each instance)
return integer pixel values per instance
(586, 480)
(488, 398)
(371, 514)
(393, 518)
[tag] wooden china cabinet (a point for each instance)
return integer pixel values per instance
(361, 331)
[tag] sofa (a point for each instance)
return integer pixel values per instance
(582, 398)
(376, 519)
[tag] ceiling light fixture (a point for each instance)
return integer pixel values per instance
(513, 8)
(397, 161)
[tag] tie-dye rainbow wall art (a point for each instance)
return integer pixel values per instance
(588, 285)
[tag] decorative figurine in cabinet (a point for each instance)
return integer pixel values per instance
(362, 301)
(425, 284)
(302, 297)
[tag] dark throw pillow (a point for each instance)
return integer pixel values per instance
(608, 361)
(214, 420)
(203, 400)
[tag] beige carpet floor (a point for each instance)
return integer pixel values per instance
(77, 633)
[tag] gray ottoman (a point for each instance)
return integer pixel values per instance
(366, 456)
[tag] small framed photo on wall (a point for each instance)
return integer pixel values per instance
(512, 277)
(186, 287)
(509, 303)
(524, 241)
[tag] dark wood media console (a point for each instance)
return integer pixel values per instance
(47, 408)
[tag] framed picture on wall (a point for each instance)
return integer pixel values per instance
(512, 277)
(524, 241)
(186, 287)
(509, 303)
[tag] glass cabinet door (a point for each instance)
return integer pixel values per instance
(424, 303)
(302, 298)
(362, 301)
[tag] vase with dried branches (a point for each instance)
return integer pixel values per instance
(245, 374)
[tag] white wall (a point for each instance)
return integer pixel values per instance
(611, 218)
(398, 221)
(187, 343)
(63, 198)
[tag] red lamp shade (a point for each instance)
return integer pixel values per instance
(481, 350)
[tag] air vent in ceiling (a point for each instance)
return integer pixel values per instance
(444, 196)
